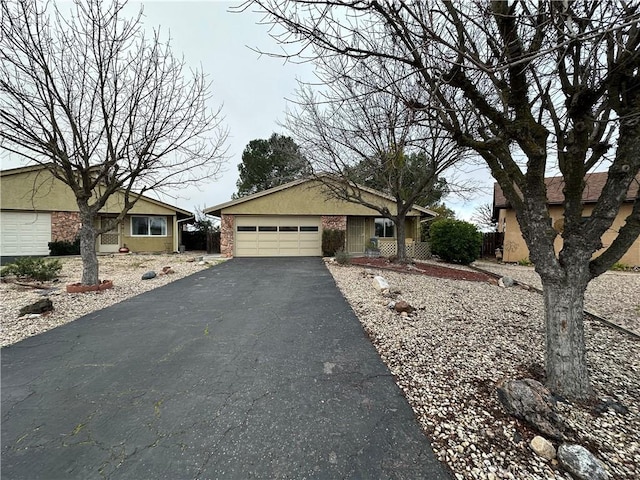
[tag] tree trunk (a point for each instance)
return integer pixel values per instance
(566, 365)
(401, 239)
(88, 235)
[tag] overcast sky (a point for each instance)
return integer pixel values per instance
(253, 89)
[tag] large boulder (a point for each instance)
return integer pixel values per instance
(380, 284)
(530, 401)
(506, 282)
(581, 463)
(149, 275)
(41, 306)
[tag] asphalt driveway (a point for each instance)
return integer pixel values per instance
(256, 368)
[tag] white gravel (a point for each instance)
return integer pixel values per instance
(464, 339)
(614, 296)
(447, 357)
(124, 270)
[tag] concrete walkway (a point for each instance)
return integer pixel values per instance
(255, 368)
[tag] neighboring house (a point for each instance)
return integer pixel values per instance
(515, 248)
(36, 208)
(288, 221)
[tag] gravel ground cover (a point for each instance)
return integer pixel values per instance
(463, 340)
(614, 296)
(124, 270)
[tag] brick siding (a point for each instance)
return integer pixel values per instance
(65, 226)
(334, 222)
(227, 225)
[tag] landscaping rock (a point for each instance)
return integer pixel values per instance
(543, 447)
(167, 271)
(506, 282)
(610, 404)
(530, 401)
(41, 306)
(46, 293)
(149, 275)
(581, 463)
(380, 284)
(403, 306)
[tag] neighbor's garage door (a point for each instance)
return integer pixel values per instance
(24, 233)
(280, 236)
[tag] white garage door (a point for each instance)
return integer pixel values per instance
(24, 233)
(280, 236)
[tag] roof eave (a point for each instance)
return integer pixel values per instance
(216, 210)
(33, 168)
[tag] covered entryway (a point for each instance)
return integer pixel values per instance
(109, 241)
(278, 236)
(24, 233)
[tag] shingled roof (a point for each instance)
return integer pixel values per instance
(592, 190)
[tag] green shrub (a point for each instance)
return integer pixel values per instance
(525, 262)
(343, 258)
(455, 241)
(332, 242)
(35, 268)
(620, 267)
(64, 247)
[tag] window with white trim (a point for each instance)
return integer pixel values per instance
(147, 226)
(384, 228)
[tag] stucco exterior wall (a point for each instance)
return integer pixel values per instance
(515, 248)
(227, 223)
(39, 191)
(147, 244)
(308, 198)
(139, 244)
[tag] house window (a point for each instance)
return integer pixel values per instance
(288, 229)
(267, 229)
(243, 228)
(308, 229)
(148, 226)
(384, 228)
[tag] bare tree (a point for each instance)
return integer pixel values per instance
(355, 137)
(103, 107)
(529, 86)
(483, 217)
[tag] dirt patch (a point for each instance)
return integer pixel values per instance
(424, 269)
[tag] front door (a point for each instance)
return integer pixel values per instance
(356, 234)
(109, 241)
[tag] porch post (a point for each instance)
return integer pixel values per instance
(176, 234)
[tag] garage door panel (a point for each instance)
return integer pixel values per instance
(24, 233)
(273, 236)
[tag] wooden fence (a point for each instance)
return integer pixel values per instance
(491, 241)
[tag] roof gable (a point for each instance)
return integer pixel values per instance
(305, 197)
(34, 188)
